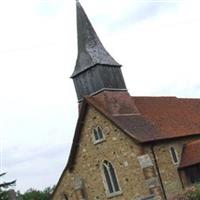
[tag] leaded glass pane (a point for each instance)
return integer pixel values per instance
(110, 188)
(96, 134)
(174, 156)
(114, 178)
(100, 134)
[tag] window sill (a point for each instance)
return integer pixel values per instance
(99, 141)
(114, 194)
(175, 164)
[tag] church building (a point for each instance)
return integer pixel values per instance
(126, 147)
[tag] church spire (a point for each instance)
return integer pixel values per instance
(95, 68)
(90, 49)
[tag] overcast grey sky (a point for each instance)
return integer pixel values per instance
(156, 41)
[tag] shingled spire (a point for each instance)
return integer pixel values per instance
(95, 68)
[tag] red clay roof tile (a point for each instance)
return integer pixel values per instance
(173, 117)
(150, 118)
(191, 154)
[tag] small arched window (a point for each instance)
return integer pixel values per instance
(98, 134)
(174, 155)
(111, 182)
(65, 197)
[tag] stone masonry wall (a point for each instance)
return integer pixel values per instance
(168, 170)
(117, 148)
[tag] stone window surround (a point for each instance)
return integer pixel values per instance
(174, 153)
(108, 194)
(101, 139)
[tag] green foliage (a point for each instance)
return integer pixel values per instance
(4, 194)
(32, 194)
(193, 193)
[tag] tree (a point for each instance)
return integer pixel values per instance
(4, 195)
(6, 184)
(193, 193)
(33, 194)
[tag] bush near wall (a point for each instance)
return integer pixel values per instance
(192, 193)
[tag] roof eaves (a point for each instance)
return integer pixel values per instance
(170, 138)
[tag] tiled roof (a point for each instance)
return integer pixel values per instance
(173, 117)
(190, 154)
(150, 118)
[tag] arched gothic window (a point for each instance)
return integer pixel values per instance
(98, 134)
(112, 185)
(174, 155)
(65, 197)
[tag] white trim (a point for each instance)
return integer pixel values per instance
(99, 141)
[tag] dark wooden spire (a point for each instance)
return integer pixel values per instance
(90, 48)
(95, 68)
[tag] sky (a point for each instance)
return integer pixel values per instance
(156, 41)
